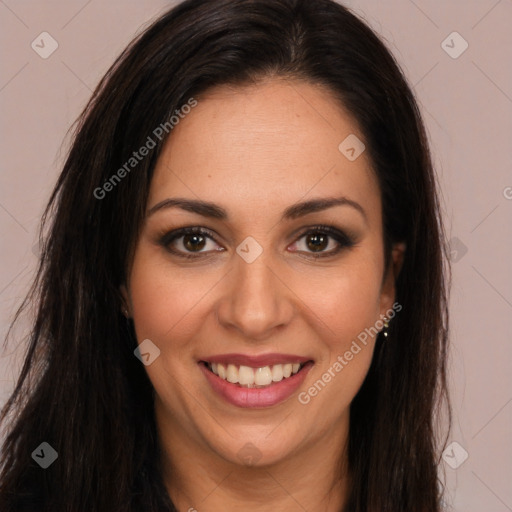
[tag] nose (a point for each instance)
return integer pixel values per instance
(256, 301)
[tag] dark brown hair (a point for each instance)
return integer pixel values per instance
(82, 390)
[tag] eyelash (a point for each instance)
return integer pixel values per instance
(343, 240)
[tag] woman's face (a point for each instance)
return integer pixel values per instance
(263, 287)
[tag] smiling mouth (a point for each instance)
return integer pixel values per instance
(248, 377)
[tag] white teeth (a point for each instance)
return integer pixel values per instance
(232, 374)
(277, 372)
(262, 376)
(254, 377)
(245, 376)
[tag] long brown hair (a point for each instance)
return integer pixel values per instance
(82, 390)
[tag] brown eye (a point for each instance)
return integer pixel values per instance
(190, 242)
(322, 241)
(194, 242)
(317, 242)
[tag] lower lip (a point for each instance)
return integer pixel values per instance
(256, 397)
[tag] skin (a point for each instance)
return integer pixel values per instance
(255, 151)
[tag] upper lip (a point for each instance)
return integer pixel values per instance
(255, 361)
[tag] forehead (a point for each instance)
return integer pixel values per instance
(275, 142)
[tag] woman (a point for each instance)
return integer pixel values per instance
(241, 302)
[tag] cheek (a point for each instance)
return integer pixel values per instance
(344, 306)
(165, 302)
(345, 301)
(344, 312)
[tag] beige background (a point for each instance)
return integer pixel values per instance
(467, 105)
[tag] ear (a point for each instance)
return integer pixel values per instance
(387, 296)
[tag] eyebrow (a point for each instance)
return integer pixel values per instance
(214, 211)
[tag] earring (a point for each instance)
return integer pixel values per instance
(126, 313)
(385, 329)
